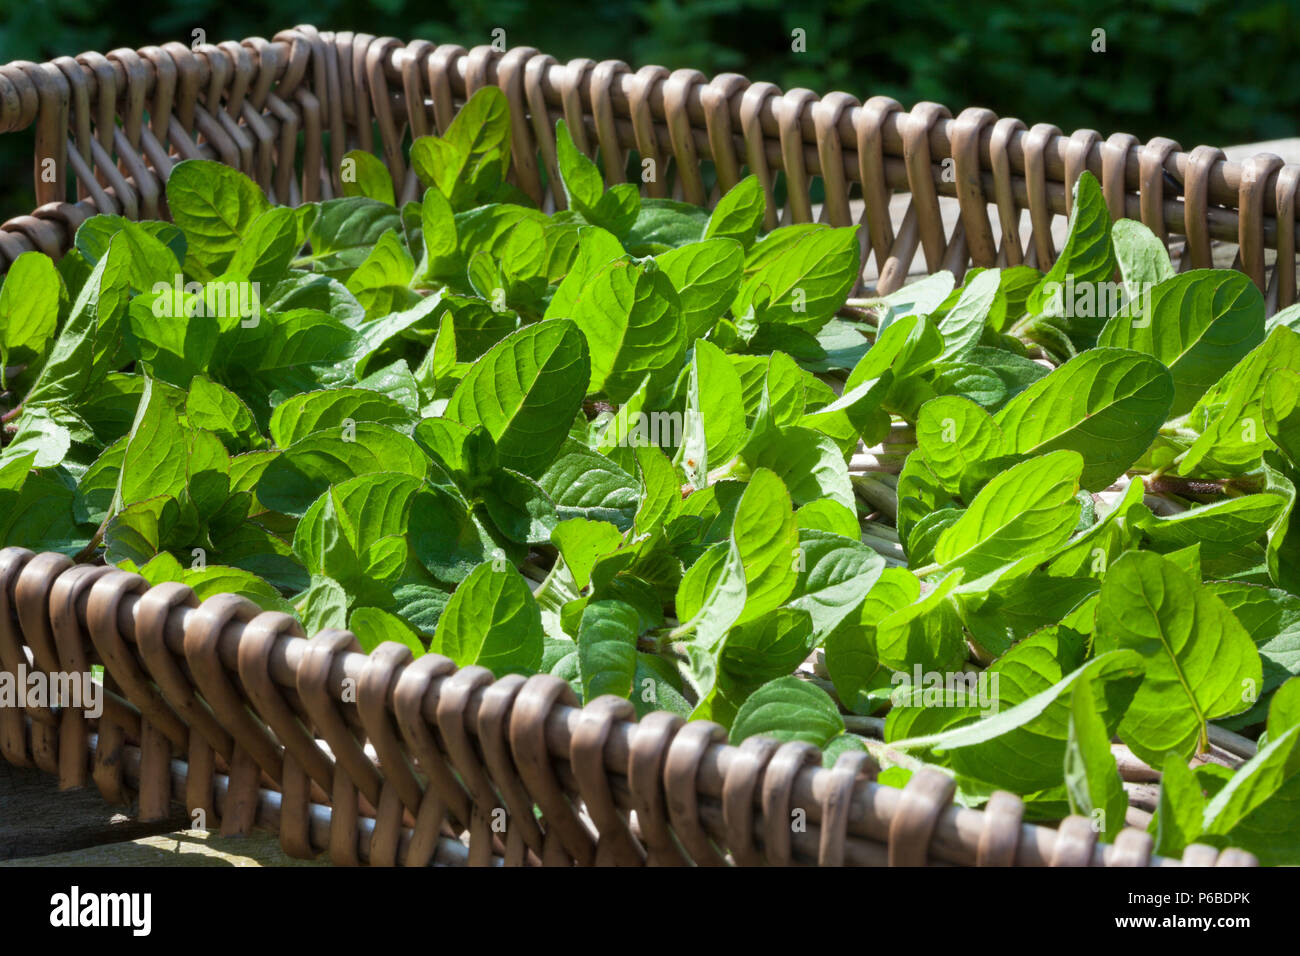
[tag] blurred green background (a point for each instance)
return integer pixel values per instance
(1200, 71)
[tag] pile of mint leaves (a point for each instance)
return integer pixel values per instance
(431, 428)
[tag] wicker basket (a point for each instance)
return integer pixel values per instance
(382, 759)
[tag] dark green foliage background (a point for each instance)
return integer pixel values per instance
(1201, 71)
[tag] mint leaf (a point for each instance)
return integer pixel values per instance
(739, 214)
(615, 210)
(632, 320)
(1107, 405)
(805, 282)
(705, 276)
(1199, 324)
(1200, 662)
(364, 174)
(1086, 261)
(1022, 747)
(373, 626)
(607, 656)
(492, 621)
(216, 207)
(1028, 508)
(1092, 779)
(302, 472)
(30, 301)
(525, 391)
(788, 709)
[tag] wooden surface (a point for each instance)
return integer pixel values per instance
(183, 848)
(36, 818)
(43, 826)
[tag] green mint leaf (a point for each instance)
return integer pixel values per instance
(216, 207)
(525, 391)
(1219, 528)
(1200, 662)
(926, 631)
(1180, 810)
(300, 474)
(632, 321)
(1086, 261)
(299, 416)
(373, 626)
(382, 283)
(324, 606)
(1026, 509)
(30, 301)
(345, 230)
(834, 577)
(706, 276)
(1230, 415)
(1107, 405)
(1199, 324)
(150, 464)
(809, 462)
(615, 210)
(607, 655)
(584, 484)
(492, 621)
(95, 234)
(803, 284)
(1092, 778)
(1142, 257)
(961, 444)
(788, 709)
(364, 174)
(268, 246)
(963, 324)
(1252, 809)
(581, 541)
(445, 537)
(1022, 747)
(739, 214)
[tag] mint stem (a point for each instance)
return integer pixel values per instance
(88, 552)
(1165, 484)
